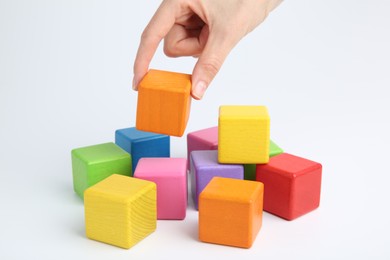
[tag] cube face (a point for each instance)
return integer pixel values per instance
(307, 192)
(274, 149)
(142, 144)
(94, 163)
(230, 212)
(244, 134)
(250, 169)
(79, 175)
(250, 172)
(120, 210)
(205, 139)
(205, 166)
(292, 185)
(108, 222)
(164, 102)
(170, 175)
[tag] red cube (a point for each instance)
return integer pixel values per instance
(292, 185)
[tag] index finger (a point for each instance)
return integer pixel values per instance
(158, 27)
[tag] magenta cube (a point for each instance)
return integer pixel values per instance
(205, 139)
(205, 166)
(170, 176)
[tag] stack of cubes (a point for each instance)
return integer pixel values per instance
(122, 182)
(289, 186)
(130, 184)
(236, 172)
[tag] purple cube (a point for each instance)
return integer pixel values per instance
(205, 166)
(205, 139)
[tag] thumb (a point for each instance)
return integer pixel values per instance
(209, 63)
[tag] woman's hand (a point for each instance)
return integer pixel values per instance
(207, 29)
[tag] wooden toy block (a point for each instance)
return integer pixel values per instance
(205, 139)
(243, 134)
(205, 166)
(230, 212)
(142, 144)
(274, 149)
(164, 102)
(292, 185)
(250, 172)
(170, 175)
(94, 163)
(120, 210)
(250, 169)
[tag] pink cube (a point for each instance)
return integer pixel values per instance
(170, 176)
(206, 139)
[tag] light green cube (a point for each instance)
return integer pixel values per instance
(250, 169)
(274, 149)
(94, 163)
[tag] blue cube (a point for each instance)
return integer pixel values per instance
(142, 144)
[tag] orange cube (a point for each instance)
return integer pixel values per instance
(164, 102)
(231, 212)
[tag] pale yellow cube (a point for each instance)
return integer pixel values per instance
(243, 134)
(120, 210)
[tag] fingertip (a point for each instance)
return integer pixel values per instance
(135, 84)
(198, 90)
(195, 97)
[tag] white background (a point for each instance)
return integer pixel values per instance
(321, 67)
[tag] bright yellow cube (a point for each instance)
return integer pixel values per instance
(243, 134)
(120, 210)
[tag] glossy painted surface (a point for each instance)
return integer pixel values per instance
(250, 169)
(170, 176)
(243, 134)
(94, 163)
(204, 139)
(120, 210)
(164, 102)
(292, 185)
(142, 144)
(205, 166)
(230, 212)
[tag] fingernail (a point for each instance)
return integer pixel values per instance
(199, 89)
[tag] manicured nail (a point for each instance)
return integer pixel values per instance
(199, 89)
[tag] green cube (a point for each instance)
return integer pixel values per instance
(250, 172)
(94, 163)
(250, 169)
(274, 149)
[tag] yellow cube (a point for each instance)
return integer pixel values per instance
(243, 134)
(120, 210)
